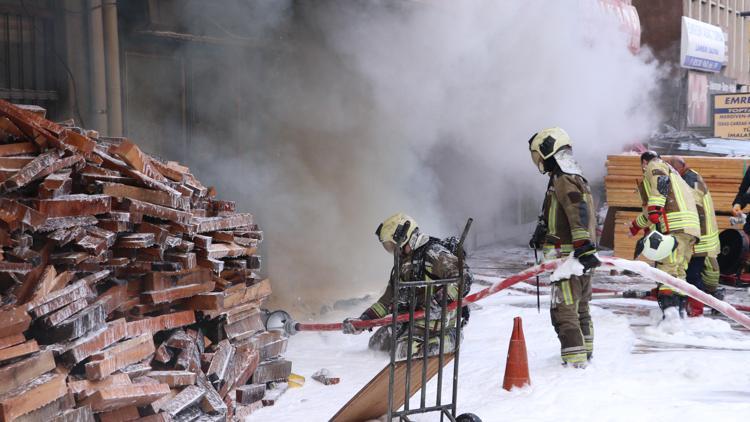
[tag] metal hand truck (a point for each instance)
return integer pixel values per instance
(408, 289)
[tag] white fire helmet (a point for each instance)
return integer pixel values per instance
(655, 246)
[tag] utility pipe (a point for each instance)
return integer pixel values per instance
(112, 60)
(98, 68)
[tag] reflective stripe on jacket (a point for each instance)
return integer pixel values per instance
(675, 197)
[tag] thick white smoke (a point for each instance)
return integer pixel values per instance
(373, 107)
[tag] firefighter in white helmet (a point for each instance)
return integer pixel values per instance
(422, 258)
(567, 225)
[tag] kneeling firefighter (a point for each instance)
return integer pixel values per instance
(422, 258)
(567, 224)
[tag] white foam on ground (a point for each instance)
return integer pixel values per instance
(687, 385)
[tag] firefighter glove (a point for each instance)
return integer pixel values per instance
(736, 210)
(654, 212)
(349, 328)
(634, 228)
(585, 252)
(540, 234)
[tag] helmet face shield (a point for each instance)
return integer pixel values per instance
(389, 246)
(537, 159)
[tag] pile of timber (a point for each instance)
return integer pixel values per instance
(127, 290)
(722, 174)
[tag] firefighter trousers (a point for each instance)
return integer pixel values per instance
(676, 264)
(569, 309)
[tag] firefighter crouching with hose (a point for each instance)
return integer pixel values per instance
(422, 258)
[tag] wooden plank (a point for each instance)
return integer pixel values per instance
(19, 350)
(122, 414)
(65, 312)
(57, 223)
(164, 280)
(20, 373)
(81, 414)
(251, 393)
(59, 410)
(31, 171)
(144, 179)
(42, 390)
(118, 356)
(164, 322)
(85, 388)
(174, 378)
(269, 344)
(272, 370)
(85, 321)
(175, 293)
(158, 211)
(212, 224)
(57, 299)
(11, 340)
(74, 205)
(189, 396)
(219, 370)
(371, 402)
(115, 397)
(86, 346)
(14, 321)
(244, 328)
(156, 197)
(20, 148)
(212, 402)
(16, 214)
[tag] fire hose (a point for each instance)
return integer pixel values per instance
(284, 321)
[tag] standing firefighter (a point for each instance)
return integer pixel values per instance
(669, 208)
(567, 224)
(422, 258)
(703, 268)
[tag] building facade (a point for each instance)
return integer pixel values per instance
(667, 26)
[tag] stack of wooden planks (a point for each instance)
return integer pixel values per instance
(722, 174)
(127, 290)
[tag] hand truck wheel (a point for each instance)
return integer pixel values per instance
(468, 417)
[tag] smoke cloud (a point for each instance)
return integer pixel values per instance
(354, 110)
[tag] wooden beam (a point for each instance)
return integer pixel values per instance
(44, 389)
(117, 396)
(19, 373)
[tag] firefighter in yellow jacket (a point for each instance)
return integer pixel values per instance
(669, 207)
(567, 225)
(703, 268)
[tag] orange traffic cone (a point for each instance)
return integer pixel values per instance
(517, 365)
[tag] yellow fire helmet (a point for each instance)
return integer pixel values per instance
(547, 143)
(395, 231)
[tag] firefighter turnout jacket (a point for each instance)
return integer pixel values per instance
(664, 189)
(709, 240)
(431, 261)
(569, 214)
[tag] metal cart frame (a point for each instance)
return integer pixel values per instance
(447, 410)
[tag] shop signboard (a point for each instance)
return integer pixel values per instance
(703, 46)
(732, 116)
